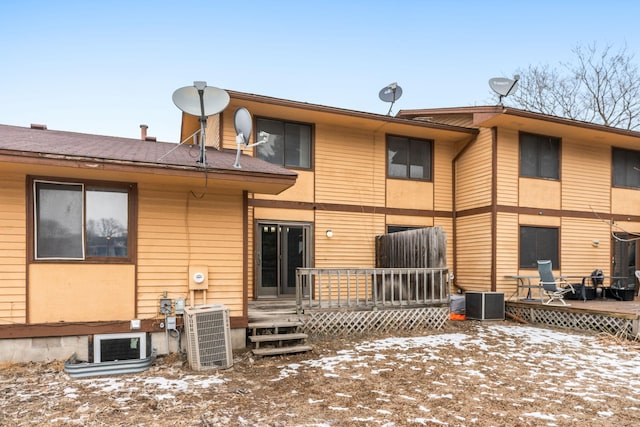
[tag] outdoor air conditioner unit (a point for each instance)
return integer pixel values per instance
(208, 336)
(484, 305)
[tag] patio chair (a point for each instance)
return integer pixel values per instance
(552, 288)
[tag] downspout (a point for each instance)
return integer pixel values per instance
(494, 206)
(455, 213)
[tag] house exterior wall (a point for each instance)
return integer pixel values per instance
(473, 174)
(347, 189)
(581, 204)
(179, 222)
(13, 270)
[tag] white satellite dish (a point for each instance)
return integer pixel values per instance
(244, 124)
(202, 101)
(214, 100)
(390, 93)
(504, 86)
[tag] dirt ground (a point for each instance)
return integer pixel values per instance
(494, 379)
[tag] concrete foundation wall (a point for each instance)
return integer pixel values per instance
(22, 350)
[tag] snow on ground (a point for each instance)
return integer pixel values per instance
(487, 374)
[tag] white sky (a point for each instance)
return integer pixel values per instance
(107, 67)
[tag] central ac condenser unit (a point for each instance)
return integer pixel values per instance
(208, 334)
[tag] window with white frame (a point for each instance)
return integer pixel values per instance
(81, 221)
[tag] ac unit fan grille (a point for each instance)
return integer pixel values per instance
(208, 337)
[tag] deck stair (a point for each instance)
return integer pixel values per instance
(276, 333)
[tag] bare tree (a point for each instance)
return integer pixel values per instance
(601, 87)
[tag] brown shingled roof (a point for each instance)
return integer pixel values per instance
(21, 141)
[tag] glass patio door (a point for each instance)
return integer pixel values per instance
(624, 257)
(280, 249)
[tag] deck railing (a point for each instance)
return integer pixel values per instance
(361, 288)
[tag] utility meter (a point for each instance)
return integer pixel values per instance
(198, 277)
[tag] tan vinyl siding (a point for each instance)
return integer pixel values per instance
(463, 120)
(251, 236)
(578, 255)
(409, 194)
(508, 167)
(586, 176)
(625, 201)
(353, 241)
(507, 260)
(410, 221)
(474, 173)
(12, 249)
(540, 193)
(447, 226)
(474, 252)
(176, 230)
(301, 191)
(442, 176)
(349, 166)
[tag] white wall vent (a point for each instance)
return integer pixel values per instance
(112, 347)
(208, 334)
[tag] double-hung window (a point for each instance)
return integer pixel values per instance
(409, 158)
(626, 168)
(538, 243)
(81, 221)
(539, 156)
(287, 144)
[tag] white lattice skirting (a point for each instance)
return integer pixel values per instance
(609, 323)
(361, 322)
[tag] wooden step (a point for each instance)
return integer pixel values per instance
(281, 350)
(277, 337)
(275, 323)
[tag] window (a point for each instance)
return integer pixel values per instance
(398, 228)
(408, 158)
(288, 144)
(538, 243)
(626, 168)
(539, 156)
(79, 221)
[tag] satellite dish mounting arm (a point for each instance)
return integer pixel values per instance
(241, 144)
(199, 85)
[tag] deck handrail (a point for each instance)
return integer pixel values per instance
(360, 288)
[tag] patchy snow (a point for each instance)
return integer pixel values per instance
(492, 374)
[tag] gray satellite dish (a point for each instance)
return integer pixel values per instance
(214, 100)
(504, 86)
(390, 93)
(244, 124)
(202, 101)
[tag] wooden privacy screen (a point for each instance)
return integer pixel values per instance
(418, 248)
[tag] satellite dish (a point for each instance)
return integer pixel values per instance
(243, 124)
(504, 86)
(214, 100)
(390, 93)
(202, 101)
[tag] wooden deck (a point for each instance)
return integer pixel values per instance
(598, 305)
(608, 315)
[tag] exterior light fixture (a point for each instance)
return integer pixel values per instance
(329, 234)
